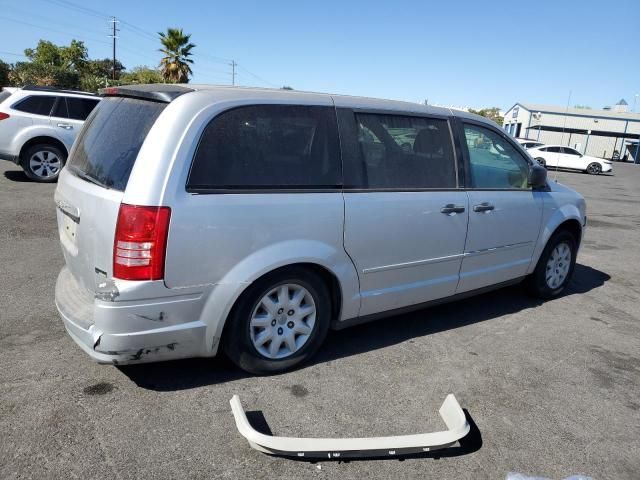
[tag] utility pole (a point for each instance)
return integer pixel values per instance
(113, 36)
(233, 71)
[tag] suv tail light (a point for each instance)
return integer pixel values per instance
(4, 116)
(140, 243)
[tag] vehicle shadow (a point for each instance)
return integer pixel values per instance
(198, 372)
(16, 176)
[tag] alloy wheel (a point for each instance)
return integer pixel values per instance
(45, 164)
(283, 320)
(558, 265)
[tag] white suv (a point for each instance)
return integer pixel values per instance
(38, 125)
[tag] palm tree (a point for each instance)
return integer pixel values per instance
(174, 66)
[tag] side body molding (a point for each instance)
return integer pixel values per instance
(337, 448)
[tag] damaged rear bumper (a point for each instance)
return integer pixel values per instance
(338, 448)
(123, 332)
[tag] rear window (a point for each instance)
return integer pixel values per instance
(268, 147)
(37, 105)
(109, 143)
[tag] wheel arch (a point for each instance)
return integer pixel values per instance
(328, 277)
(562, 220)
(332, 265)
(42, 140)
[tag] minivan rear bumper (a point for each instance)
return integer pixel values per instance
(119, 333)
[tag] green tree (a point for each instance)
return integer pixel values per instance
(102, 68)
(5, 68)
(141, 74)
(32, 73)
(492, 113)
(74, 57)
(175, 66)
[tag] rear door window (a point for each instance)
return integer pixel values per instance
(80, 108)
(37, 105)
(404, 152)
(268, 147)
(60, 109)
(108, 145)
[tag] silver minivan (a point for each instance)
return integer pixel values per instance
(198, 218)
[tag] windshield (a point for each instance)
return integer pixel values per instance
(109, 143)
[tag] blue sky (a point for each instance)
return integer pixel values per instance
(465, 53)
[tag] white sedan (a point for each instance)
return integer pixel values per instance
(557, 156)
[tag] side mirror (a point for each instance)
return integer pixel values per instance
(537, 176)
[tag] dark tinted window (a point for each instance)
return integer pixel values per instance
(404, 152)
(60, 109)
(38, 105)
(108, 145)
(495, 162)
(553, 149)
(80, 108)
(571, 151)
(268, 146)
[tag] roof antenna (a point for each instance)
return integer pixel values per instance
(566, 112)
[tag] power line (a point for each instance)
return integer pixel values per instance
(80, 37)
(137, 31)
(12, 54)
(257, 77)
(79, 8)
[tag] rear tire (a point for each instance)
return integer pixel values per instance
(292, 335)
(594, 168)
(43, 162)
(555, 266)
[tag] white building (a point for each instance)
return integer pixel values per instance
(600, 133)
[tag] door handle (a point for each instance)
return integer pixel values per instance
(451, 209)
(483, 207)
(66, 126)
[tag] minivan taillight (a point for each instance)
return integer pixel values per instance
(4, 116)
(140, 243)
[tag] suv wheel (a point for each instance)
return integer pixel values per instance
(594, 168)
(555, 267)
(278, 322)
(43, 162)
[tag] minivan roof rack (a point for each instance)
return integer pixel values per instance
(38, 88)
(157, 92)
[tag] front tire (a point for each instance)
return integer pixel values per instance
(542, 162)
(594, 168)
(43, 162)
(555, 266)
(279, 322)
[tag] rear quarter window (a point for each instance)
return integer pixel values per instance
(268, 147)
(37, 105)
(111, 138)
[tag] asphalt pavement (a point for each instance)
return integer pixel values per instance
(552, 387)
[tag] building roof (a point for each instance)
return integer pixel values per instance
(622, 102)
(579, 112)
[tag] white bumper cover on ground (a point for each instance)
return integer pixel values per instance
(337, 448)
